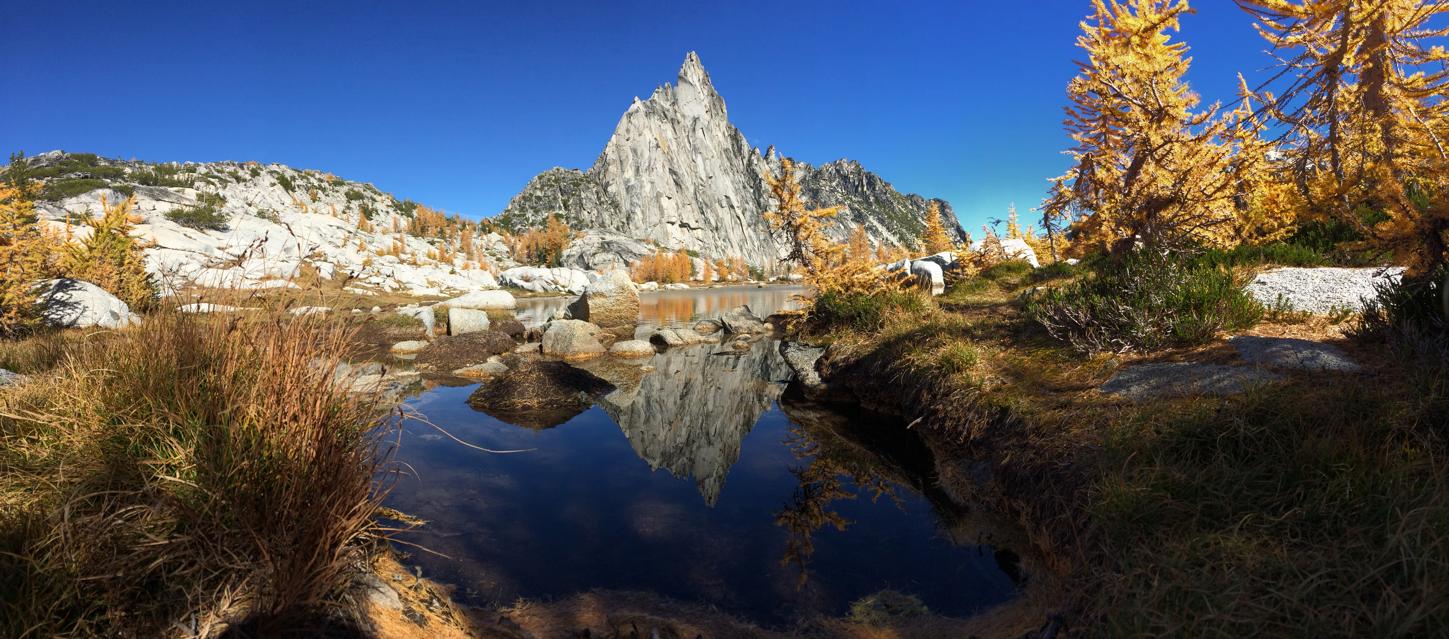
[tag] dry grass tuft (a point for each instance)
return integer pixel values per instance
(191, 474)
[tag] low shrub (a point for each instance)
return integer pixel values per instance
(195, 471)
(861, 311)
(61, 189)
(1276, 253)
(1144, 302)
(206, 215)
(1410, 315)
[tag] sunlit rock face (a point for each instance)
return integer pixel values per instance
(276, 223)
(678, 174)
(690, 414)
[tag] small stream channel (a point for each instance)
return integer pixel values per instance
(699, 478)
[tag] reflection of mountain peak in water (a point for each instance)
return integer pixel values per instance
(690, 415)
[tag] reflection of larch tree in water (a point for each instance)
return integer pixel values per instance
(822, 481)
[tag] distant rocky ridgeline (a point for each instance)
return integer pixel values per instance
(249, 225)
(678, 175)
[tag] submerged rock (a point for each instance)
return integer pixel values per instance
(452, 352)
(68, 303)
(539, 394)
(1175, 379)
(1288, 353)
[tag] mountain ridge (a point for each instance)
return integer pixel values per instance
(676, 173)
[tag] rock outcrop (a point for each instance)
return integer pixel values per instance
(539, 394)
(1322, 290)
(273, 224)
(611, 302)
(573, 340)
(67, 303)
(678, 174)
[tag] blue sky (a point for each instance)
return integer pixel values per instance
(458, 104)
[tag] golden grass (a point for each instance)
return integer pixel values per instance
(190, 474)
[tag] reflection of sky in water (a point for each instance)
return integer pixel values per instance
(584, 510)
(676, 307)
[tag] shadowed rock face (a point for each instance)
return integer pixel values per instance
(690, 415)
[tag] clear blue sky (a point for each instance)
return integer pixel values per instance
(458, 104)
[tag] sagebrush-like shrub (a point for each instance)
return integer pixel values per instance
(862, 311)
(1410, 314)
(206, 215)
(1144, 302)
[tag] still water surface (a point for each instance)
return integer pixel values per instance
(690, 480)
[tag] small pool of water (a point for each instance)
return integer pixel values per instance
(696, 480)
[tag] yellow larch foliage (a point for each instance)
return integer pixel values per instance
(859, 245)
(934, 238)
(542, 246)
(465, 241)
(363, 224)
(1362, 95)
(1148, 167)
(113, 260)
(739, 269)
(663, 267)
(706, 273)
(23, 251)
(827, 266)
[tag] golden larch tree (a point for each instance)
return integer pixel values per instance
(1362, 94)
(1148, 166)
(23, 250)
(827, 267)
(934, 238)
(113, 260)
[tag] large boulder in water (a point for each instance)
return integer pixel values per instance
(610, 302)
(573, 340)
(539, 394)
(68, 303)
(453, 352)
